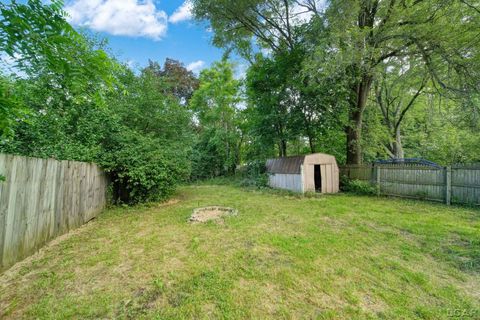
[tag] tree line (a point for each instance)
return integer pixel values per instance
(361, 80)
(350, 77)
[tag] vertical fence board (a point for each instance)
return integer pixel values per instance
(40, 237)
(42, 199)
(6, 161)
(466, 184)
(421, 182)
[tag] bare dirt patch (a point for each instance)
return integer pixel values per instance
(214, 213)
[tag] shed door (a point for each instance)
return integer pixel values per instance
(318, 178)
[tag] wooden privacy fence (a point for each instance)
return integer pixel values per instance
(41, 199)
(454, 184)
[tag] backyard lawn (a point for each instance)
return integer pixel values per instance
(330, 257)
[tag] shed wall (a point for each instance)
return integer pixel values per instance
(292, 182)
(329, 170)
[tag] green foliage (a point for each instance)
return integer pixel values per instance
(291, 113)
(418, 36)
(310, 91)
(440, 130)
(349, 46)
(436, 128)
(358, 187)
(142, 169)
(179, 82)
(2, 178)
(141, 138)
(254, 175)
(38, 38)
(148, 153)
(268, 91)
(11, 107)
(40, 43)
(255, 168)
(215, 105)
(74, 102)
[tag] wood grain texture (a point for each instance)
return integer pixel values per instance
(456, 184)
(42, 199)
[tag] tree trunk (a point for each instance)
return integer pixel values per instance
(397, 145)
(361, 84)
(311, 143)
(353, 130)
(282, 148)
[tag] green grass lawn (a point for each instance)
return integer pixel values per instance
(330, 257)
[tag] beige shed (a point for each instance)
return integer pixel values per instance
(316, 172)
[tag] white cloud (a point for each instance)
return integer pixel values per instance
(196, 66)
(183, 13)
(119, 17)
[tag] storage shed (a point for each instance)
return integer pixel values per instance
(316, 172)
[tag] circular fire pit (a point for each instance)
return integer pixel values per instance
(213, 213)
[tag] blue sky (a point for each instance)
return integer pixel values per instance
(139, 30)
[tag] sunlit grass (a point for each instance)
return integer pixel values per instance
(283, 256)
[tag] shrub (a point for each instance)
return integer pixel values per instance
(260, 181)
(142, 169)
(256, 168)
(255, 175)
(359, 187)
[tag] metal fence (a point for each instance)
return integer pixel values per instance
(453, 184)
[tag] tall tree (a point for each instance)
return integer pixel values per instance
(271, 115)
(366, 33)
(284, 106)
(178, 81)
(397, 90)
(216, 108)
(362, 34)
(247, 25)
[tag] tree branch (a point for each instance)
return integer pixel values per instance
(410, 104)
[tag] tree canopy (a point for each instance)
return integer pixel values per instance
(354, 39)
(362, 80)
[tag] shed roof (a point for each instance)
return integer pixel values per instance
(285, 165)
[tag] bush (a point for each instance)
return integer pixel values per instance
(359, 187)
(142, 169)
(256, 168)
(255, 175)
(260, 181)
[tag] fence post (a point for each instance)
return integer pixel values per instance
(377, 176)
(448, 185)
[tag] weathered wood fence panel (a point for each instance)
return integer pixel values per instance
(466, 184)
(457, 184)
(358, 172)
(41, 199)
